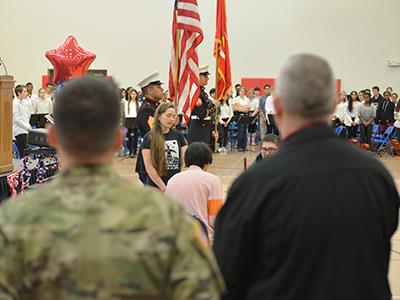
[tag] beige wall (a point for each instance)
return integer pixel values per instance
(132, 38)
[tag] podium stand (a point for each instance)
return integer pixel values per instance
(6, 98)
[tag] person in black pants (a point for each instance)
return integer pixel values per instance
(385, 112)
(21, 141)
(367, 117)
(225, 116)
(21, 115)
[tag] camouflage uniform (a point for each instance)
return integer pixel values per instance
(91, 235)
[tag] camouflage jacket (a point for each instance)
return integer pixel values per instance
(91, 235)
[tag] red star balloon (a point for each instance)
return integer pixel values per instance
(69, 60)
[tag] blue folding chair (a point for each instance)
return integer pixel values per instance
(383, 142)
(15, 151)
(339, 130)
(232, 134)
(375, 130)
(395, 135)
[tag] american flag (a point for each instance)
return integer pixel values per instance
(184, 85)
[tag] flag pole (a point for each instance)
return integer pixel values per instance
(218, 108)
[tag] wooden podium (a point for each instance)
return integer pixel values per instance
(6, 124)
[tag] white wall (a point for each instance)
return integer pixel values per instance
(132, 37)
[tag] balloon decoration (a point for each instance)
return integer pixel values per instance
(69, 60)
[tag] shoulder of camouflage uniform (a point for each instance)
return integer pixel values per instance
(121, 199)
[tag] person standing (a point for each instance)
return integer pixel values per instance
(270, 112)
(351, 116)
(253, 112)
(131, 108)
(225, 117)
(311, 232)
(21, 115)
(385, 112)
(376, 96)
(367, 116)
(49, 90)
(89, 234)
(262, 112)
(200, 125)
(41, 104)
(242, 107)
(31, 96)
(153, 93)
(163, 148)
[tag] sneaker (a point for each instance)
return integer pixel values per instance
(224, 149)
(220, 149)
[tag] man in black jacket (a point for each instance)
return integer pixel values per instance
(297, 225)
(376, 96)
(201, 123)
(385, 112)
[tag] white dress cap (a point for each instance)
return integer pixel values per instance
(154, 78)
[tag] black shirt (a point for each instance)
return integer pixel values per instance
(145, 115)
(174, 141)
(385, 112)
(313, 221)
(205, 108)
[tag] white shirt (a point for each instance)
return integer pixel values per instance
(131, 113)
(240, 101)
(339, 113)
(253, 104)
(42, 106)
(226, 112)
(32, 97)
(348, 116)
(269, 106)
(21, 116)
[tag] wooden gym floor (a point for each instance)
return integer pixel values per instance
(228, 167)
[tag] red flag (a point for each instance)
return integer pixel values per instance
(221, 52)
(184, 83)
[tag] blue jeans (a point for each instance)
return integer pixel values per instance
(242, 136)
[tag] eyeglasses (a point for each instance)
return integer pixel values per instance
(269, 150)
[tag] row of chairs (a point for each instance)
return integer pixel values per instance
(232, 134)
(382, 140)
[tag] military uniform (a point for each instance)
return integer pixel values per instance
(91, 235)
(200, 125)
(145, 115)
(145, 118)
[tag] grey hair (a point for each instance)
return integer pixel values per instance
(305, 86)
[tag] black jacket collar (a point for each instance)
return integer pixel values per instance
(311, 133)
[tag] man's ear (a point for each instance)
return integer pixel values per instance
(52, 139)
(278, 106)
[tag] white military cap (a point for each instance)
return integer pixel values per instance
(154, 78)
(204, 70)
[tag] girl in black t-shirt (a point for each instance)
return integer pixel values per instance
(163, 148)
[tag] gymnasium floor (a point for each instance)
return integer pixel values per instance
(228, 167)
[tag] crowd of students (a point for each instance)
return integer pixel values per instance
(26, 103)
(361, 110)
